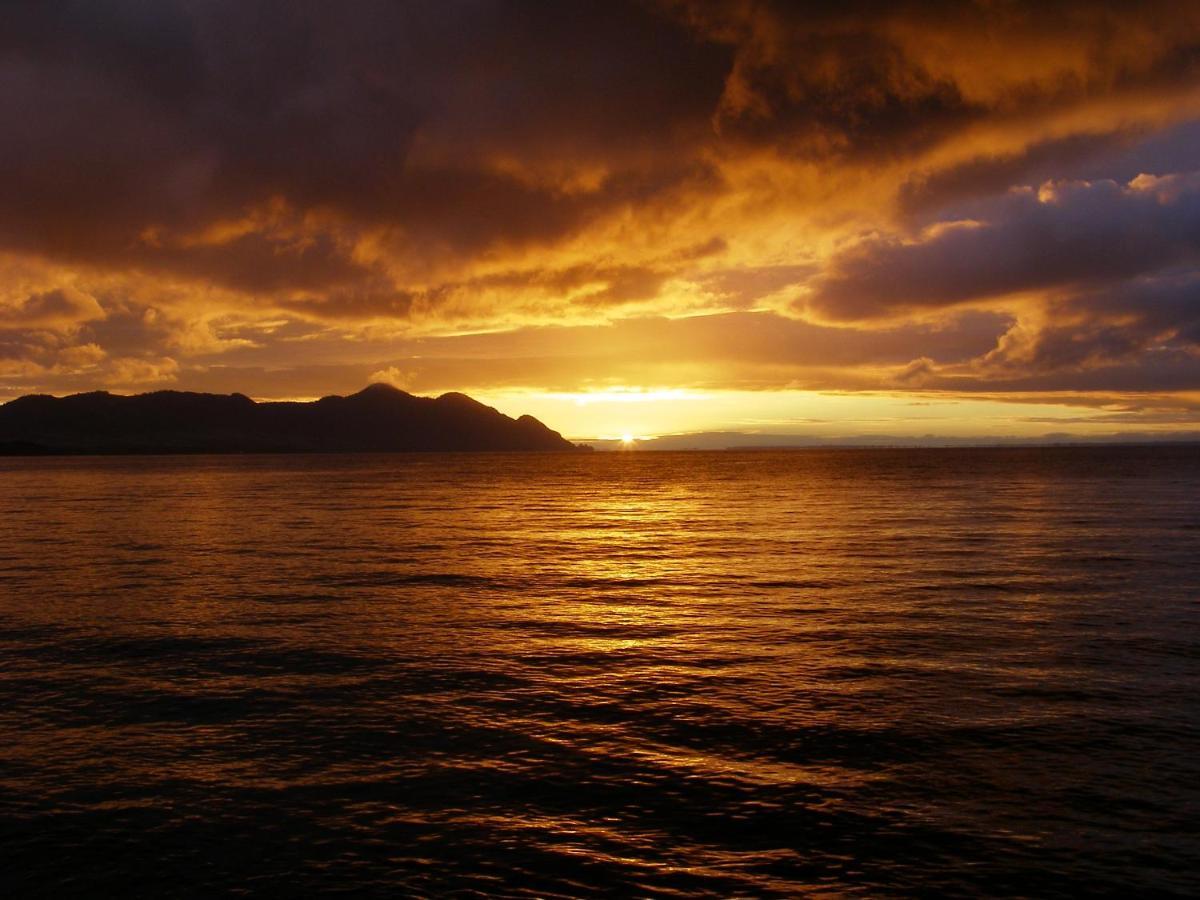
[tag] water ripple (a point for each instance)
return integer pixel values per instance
(876, 673)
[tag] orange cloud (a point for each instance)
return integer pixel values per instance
(915, 196)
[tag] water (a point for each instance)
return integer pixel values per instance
(887, 673)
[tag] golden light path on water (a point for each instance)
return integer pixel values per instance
(768, 674)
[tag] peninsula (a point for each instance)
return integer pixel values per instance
(379, 418)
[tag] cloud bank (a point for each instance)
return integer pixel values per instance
(977, 197)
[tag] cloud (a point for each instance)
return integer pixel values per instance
(917, 372)
(864, 78)
(175, 117)
(81, 358)
(994, 173)
(1152, 324)
(59, 308)
(1064, 234)
(393, 376)
(937, 196)
(440, 135)
(133, 372)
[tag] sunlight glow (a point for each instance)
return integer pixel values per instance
(629, 395)
(825, 415)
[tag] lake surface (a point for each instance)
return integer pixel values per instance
(877, 672)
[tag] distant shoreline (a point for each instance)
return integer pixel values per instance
(965, 445)
(11, 451)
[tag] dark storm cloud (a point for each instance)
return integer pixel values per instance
(1102, 279)
(472, 210)
(176, 114)
(1147, 324)
(1164, 371)
(925, 192)
(1065, 234)
(819, 78)
(876, 78)
(130, 114)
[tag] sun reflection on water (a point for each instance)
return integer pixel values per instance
(722, 674)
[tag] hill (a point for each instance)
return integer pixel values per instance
(378, 418)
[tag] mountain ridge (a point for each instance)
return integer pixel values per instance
(379, 418)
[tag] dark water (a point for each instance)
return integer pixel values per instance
(887, 673)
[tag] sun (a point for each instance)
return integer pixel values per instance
(627, 439)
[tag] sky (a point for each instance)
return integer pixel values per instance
(645, 218)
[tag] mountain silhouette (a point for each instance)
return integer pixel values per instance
(379, 418)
